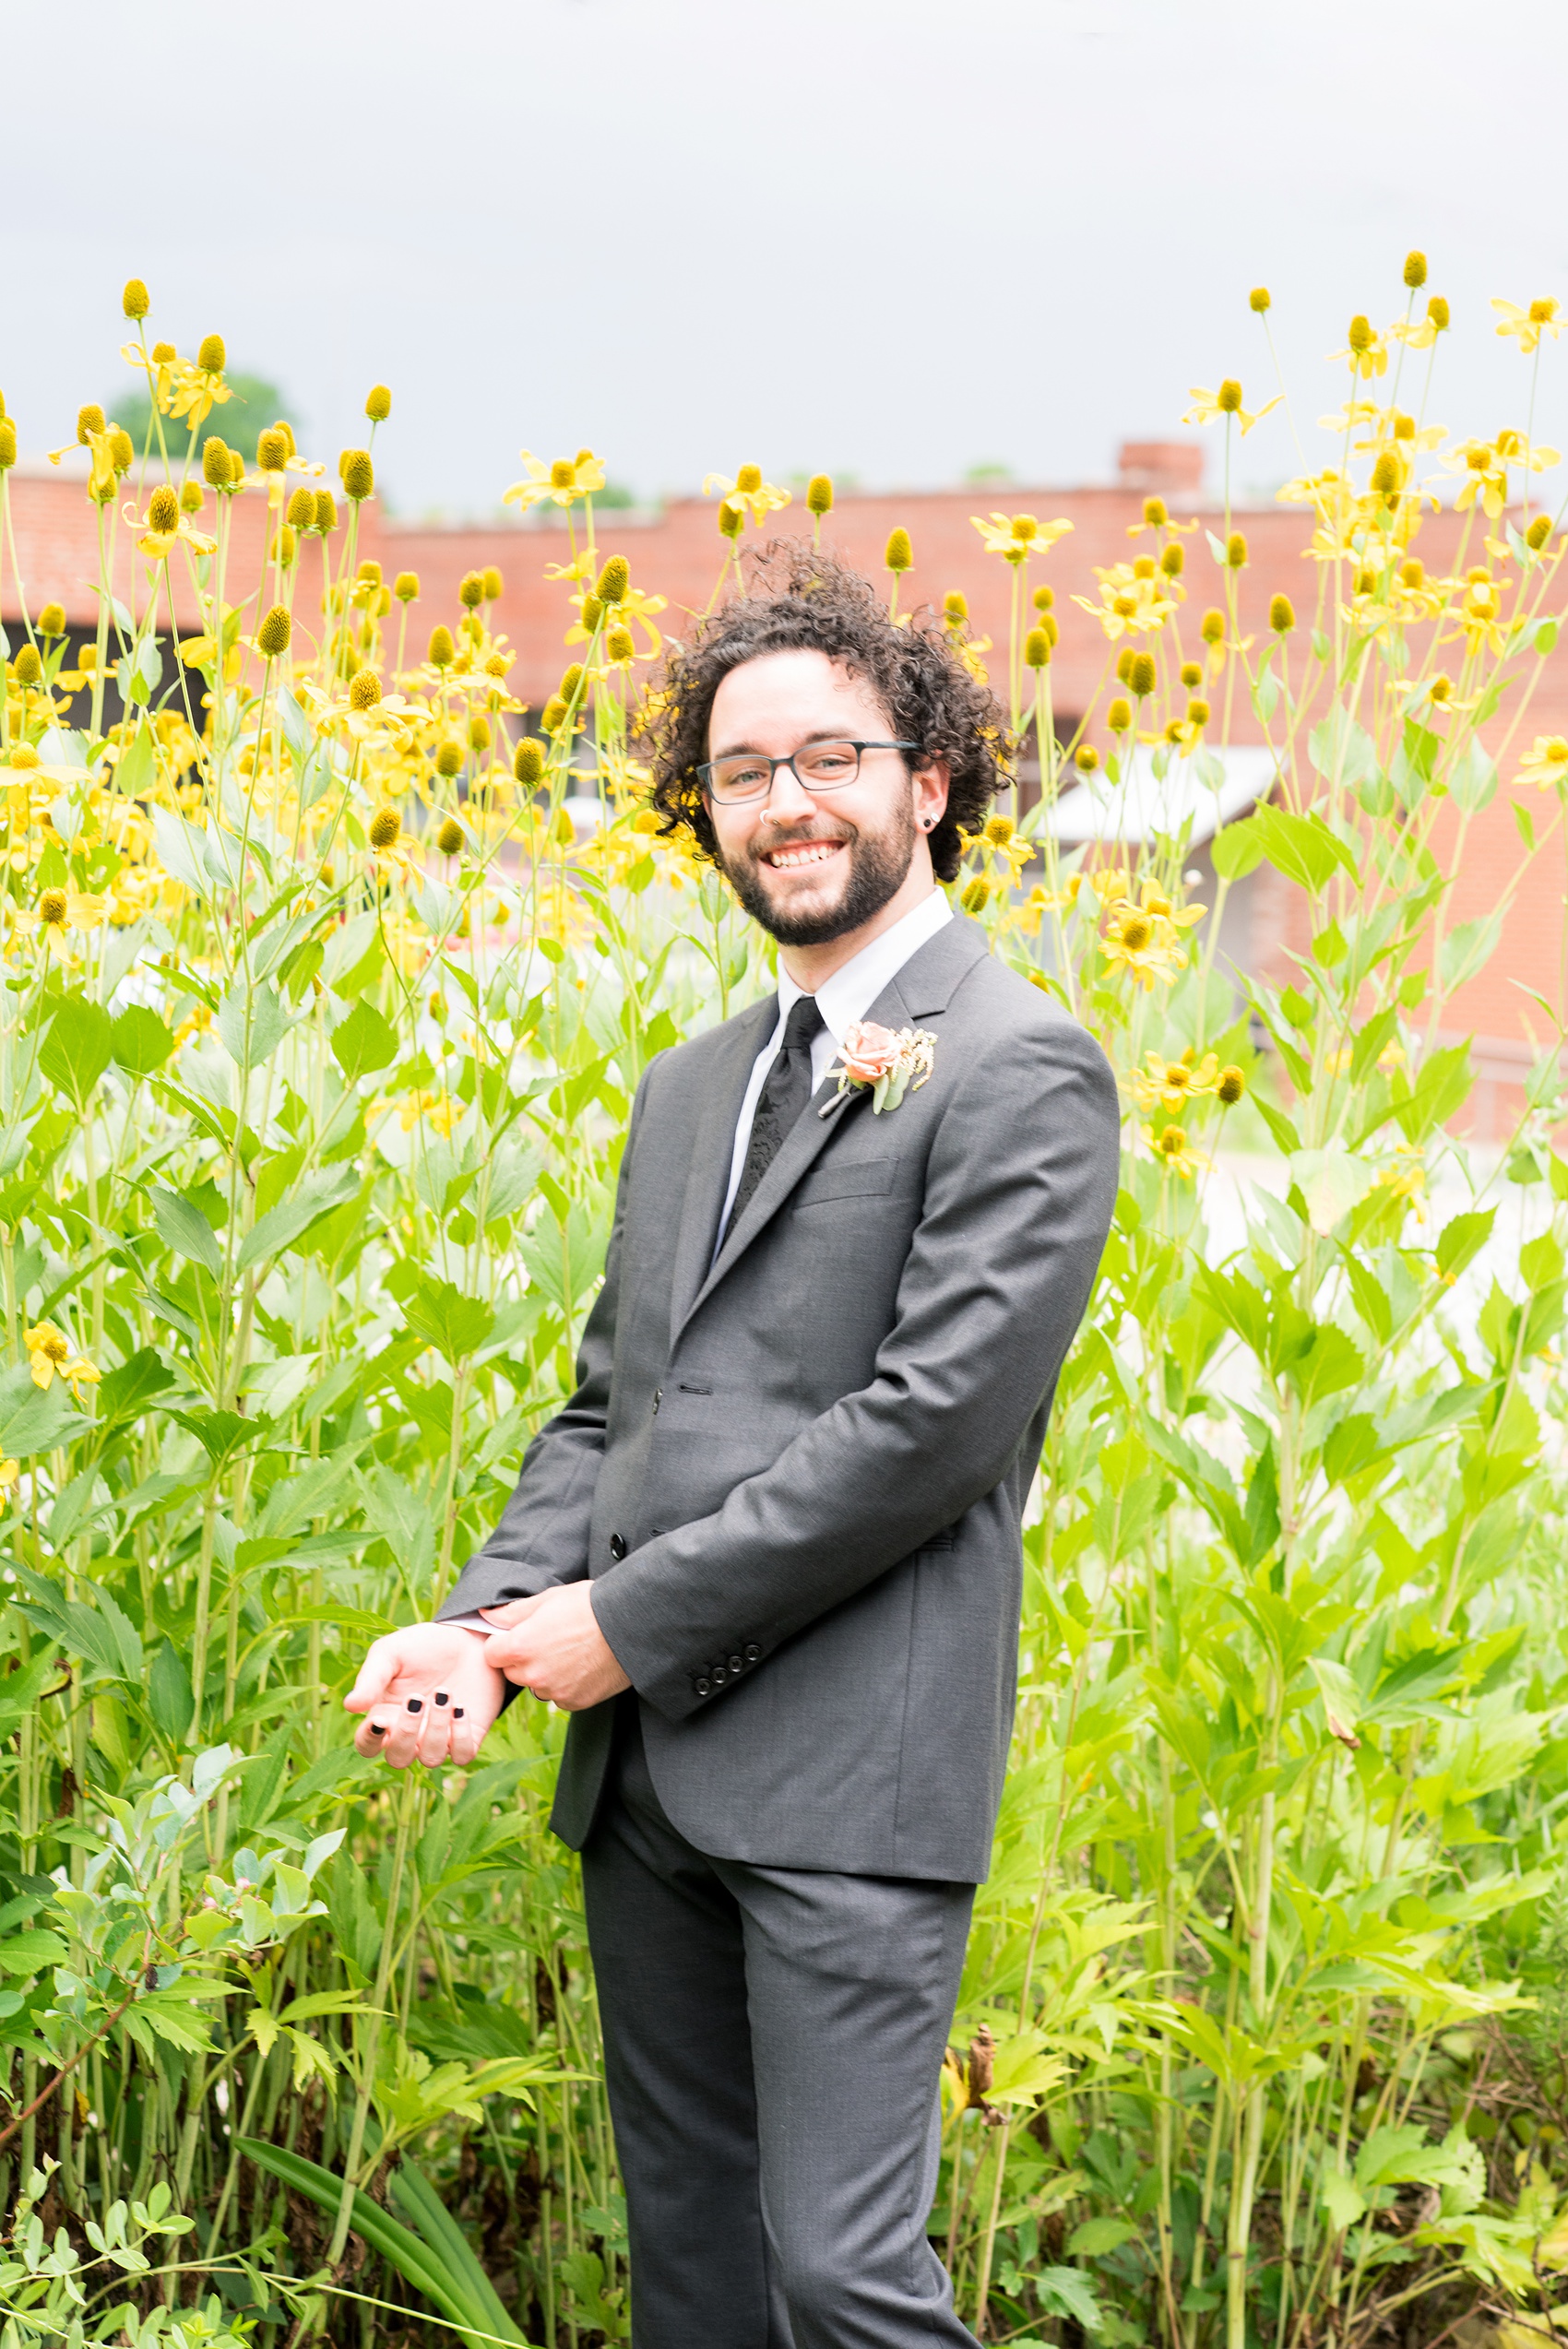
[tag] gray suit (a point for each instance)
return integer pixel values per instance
(796, 1474)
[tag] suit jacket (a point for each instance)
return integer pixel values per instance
(796, 1474)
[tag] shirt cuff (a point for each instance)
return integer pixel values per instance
(466, 1623)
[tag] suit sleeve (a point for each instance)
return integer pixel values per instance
(1020, 1185)
(542, 1536)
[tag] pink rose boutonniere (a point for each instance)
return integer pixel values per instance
(890, 1064)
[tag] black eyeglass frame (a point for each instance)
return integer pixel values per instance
(705, 772)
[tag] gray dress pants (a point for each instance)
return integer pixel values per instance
(773, 2038)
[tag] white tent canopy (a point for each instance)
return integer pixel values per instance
(1142, 803)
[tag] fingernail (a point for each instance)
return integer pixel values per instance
(457, 1713)
(416, 1704)
(378, 1728)
(441, 1696)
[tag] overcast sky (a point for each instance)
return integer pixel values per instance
(889, 238)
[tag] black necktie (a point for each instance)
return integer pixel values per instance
(786, 1090)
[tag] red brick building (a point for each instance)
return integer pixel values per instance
(677, 552)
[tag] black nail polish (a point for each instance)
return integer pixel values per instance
(416, 1704)
(378, 1728)
(441, 1697)
(457, 1713)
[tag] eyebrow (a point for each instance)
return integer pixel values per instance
(818, 734)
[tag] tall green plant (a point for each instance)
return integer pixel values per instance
(320, 1024)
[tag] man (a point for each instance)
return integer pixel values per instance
(768, 1555)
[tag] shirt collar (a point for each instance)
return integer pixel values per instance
(848, 995)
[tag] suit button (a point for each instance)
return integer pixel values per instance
(720, 1676)
(734, 1664)
(703, 1685)
(617, 1548)
(753, 1654)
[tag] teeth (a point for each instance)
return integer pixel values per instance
(812, 852)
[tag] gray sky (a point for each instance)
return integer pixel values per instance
(891, 238)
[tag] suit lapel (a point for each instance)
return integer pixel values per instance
(920, 990)
(712, 1149)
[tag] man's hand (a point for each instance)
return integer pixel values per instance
(430, 1695)
(553, 1644)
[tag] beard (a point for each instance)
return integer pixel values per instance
(876, 865)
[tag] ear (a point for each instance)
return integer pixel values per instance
(928, 788)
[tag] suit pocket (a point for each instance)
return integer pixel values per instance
(854, 1179)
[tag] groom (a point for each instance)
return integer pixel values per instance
(768, 1554)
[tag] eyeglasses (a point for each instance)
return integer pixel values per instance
(816, 767)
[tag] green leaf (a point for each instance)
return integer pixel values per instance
(1469, 947)
(1472, 780)
(1067, 2292)
(251, 1024)
(1302, 847)
(446, 2284)
(169, 1694)
(1331, 1182)
(180, 848)
(1341, 2199)
(296, 726)
(1341, 749)
(1098, 2235)
(132, 1384)
(1237, 849)
(221, 1433)
(76, 1051)
(31, 1952)
(1341, 1698)
(364, 1042)
(316, 1195)
(137, 766)
(139, 1041)
(181, 1222)
(31, 1419)
(439, 1311)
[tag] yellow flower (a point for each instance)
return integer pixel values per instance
(49, 1355)
(1130, 600)
(1406, 1175)
(194, 391)
(1483, 468)
(747, 488)
(563, 483)
(1016, 537)
(157, 367)
(1166, 1085)
(1367, 352)
(1209, 406)
(1480, 614)
(1142, 945)
(166, 524)
(637, 605)
(1173, 1150)
(1527, 325)
(9, 1472)
(100, 446)
(1546, 762)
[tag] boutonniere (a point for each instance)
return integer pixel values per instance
(891, 1064)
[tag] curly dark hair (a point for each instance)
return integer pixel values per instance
(804, 597)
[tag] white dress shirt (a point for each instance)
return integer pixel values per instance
(842, 1000)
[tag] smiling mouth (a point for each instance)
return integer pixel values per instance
(798, 853)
